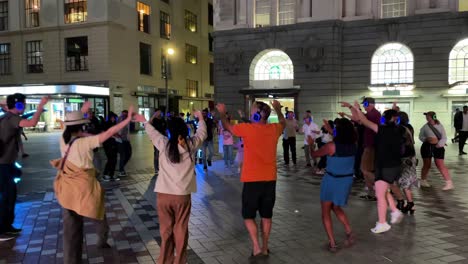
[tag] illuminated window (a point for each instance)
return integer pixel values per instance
(191, 54)
(458, 62)
(165, 25)
(463, 5)
(286, 12)
(192, 88)
(262, 13)
(75, 11)
(392, 64)
(393, 8)
(34, 56)
(143, 13)
(5, 59)
(190, 21)
(274, 65)
(32, 8)
(3, 15)
(77, 54)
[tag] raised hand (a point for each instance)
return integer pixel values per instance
(131, 111)
(139, 118)
(345, 104)
(86, 107)
(276, 104)
(44, 101)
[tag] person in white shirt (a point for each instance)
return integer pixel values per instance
(433, 136)
(309, 129)
(176, 181)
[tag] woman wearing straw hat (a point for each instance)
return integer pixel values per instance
(76, 187)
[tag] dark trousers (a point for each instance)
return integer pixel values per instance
(323, 160)
(7, 197)
(461, 142)
(73, 235)
(125, 152)
(111, 149)
(174, 215)
(156, 160)
(289, 143)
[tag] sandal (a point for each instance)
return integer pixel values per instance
(350, 239)
(332, 248)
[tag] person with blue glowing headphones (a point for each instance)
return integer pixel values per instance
(10, 125)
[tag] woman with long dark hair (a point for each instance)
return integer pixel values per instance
(338, 180)
(176, 181)
(76, 187)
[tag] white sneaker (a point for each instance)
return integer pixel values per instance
(448, 186)
(397, 217)
(424, 183)
(106, 178)
(4, 237)
(380, 228)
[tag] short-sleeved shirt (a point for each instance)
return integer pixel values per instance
(369, 135)
(308, 131)
(9, 132)
(81, 153)
(260, 143)
(228, 139)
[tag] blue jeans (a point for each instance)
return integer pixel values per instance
(7, 197)
(228, 155)
(207, 145)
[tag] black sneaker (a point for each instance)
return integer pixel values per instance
(205, 168)
(462, 153)
(209, 162)
(368, 197)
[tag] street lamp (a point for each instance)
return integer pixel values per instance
(167, 53)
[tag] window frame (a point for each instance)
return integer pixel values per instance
(143, 18)
(191, 86)
(149, 59)
(191, 52)
(32, 10)
(392, 63)
(191, 19)
(82, 58)
(266, 14)
(4, 15)
(284, 13)
(393, 5)
(210, 14)
(80, 16)
(458, 62)
(5, 59)
(165, 26)
(277, 60)
(35, 55)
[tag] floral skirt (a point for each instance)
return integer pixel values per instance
(409, 176)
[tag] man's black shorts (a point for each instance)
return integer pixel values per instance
(388, 175)
(258, 196)
(428, 151)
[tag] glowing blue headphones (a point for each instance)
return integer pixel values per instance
(257, 117)
(334, 132)
(384, 121)
(19, 106)
(365, 103)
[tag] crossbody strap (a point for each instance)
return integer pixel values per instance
(66, 153)
(436, 132)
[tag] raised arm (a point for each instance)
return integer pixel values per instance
(363, 119)
(115, 129)
(36, 116)
(222, 111)
(201, 133)
(277, 106)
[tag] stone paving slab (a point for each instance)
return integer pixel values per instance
(437, 233)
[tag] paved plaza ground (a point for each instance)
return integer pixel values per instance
(437, 233)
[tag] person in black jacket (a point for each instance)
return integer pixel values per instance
(111, 149)
(460, 122)
(158, 122)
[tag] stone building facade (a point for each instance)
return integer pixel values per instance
(414, 53)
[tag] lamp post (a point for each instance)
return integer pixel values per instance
(167, 53)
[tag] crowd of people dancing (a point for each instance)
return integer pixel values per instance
(363, 144)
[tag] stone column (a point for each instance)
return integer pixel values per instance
(274, 13)
(350, 8)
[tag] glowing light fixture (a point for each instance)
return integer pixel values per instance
(170, 51)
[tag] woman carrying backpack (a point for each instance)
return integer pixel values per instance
(433, 136)
(176, 181)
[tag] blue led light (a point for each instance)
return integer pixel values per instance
(17, 180)
(18, 166)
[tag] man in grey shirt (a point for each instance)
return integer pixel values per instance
(289, 138)
(10, 126)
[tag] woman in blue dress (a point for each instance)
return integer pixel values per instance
(338, 180)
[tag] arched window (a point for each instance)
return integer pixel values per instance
(458, 62)
(286, 12)
(273, 65)
(392, 63)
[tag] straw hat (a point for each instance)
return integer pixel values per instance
(75, 118)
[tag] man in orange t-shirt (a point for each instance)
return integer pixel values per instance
(259, 169)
